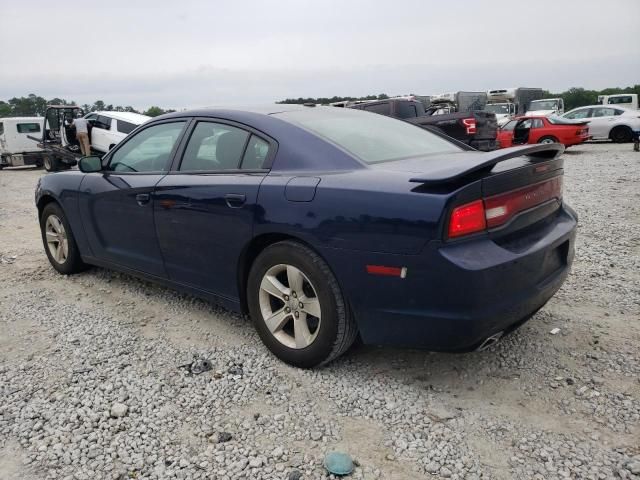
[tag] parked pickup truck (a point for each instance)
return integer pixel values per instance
(476, 129)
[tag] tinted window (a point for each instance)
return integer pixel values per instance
(214, 146)
(256, 154)
(28, 127)
(603, 112)
(1, 128)
(381, 108)
(582, 113)
(371, 138)
(407, 110)
(147, 151)
(537, 123)
(616, 100)
(102, 122)
(618, 112)
(93, 116)
(125, 127)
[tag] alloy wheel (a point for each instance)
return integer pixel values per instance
(57, 241)
(290, 306)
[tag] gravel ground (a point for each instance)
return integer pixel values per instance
(90, 384)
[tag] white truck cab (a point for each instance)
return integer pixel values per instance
(16, 148)
(625, 100)
(547, 106)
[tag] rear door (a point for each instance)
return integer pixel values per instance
(116, 205)
(205, 208)
(601, 121)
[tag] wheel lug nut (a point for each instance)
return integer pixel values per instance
(287, 310)
(297, 314)
(295, 295)
(301, 305)
(286, 297)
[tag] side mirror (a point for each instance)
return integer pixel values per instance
(90, 164)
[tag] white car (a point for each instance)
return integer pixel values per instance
(608, 123)
(110, 128)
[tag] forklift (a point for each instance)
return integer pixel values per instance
(61, 149)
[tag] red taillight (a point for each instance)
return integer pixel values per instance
(470, 123)
(466, 219)
(500, 208)
(387, 271)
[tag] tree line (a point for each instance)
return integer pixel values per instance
(34, 106)
(573, 98)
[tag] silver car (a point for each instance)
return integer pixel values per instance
(607, 122)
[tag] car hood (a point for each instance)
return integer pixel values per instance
(448, 167)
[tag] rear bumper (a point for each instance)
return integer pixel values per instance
(455, 296)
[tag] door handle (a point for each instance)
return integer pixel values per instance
(143, 199)
(235, 200)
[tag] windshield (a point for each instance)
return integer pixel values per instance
(544, 105)
(371, 137)
(497, 108)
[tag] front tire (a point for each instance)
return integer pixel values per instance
(59, 242)
(621, 134)
(297, 306)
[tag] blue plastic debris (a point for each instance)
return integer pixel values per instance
(338, 463)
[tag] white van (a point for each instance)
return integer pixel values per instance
(16, 148)
(109, 128)
(625, 100)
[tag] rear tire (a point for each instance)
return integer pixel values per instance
(59, 242)
(621, 134)
(288, 279)
(548, 139)
(50, 163)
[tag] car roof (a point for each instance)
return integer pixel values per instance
(609, 105)
(136, 118)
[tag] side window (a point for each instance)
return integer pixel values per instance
(616, 100)
(255, 154)
(537, 123)
(603, 112)
(407, 110)
(1, 128)
(102, 122)
(91, 117)
(525, 123)
(214, 146)
(618, 112)
(381, 108)
(125, 127)
(509, 125)
(147, 151)
(583, 113)
(28, 127)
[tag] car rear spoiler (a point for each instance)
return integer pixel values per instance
(476, 161)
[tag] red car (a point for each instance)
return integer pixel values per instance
(540, 129)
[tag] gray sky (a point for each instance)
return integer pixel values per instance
(184, 53)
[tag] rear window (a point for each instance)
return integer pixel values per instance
(28, 127)
(407, 110)
(371, 138)
(561, 121)
(381, 108)
(125, 127)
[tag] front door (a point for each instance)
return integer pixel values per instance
(116, 205)
(205, 209)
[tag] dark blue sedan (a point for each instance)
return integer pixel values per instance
(323, 224)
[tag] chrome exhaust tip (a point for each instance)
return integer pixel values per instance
(489, 341)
